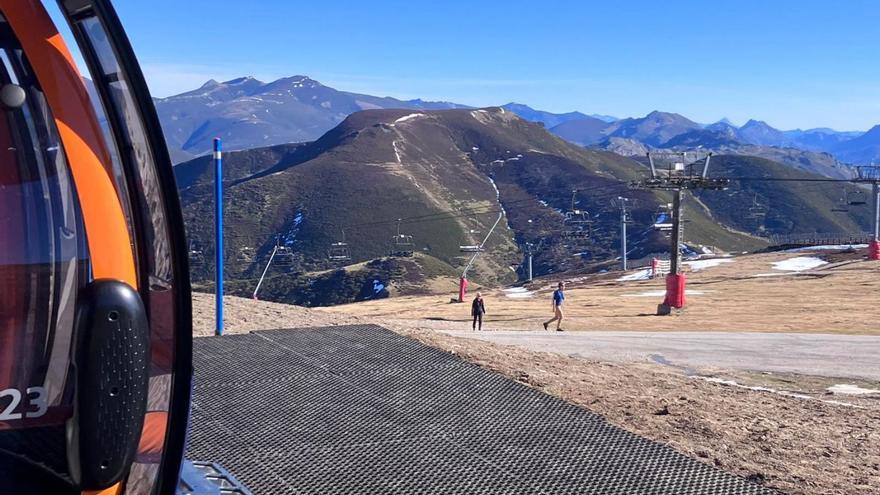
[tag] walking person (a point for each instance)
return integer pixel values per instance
(478, 309)
(558, 299)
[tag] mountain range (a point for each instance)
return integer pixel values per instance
(249, 113)
(443, 177)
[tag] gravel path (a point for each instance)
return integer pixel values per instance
(848, 356)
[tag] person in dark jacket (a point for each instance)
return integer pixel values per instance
(478, 309)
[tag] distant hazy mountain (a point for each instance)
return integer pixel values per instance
(248, 113)
(585, 131)
(606, 118)
(821, 139)
(548, 119)
(705, 138)
(723, 138)
(759, 132)
(862, 149)
(722, 125)
(653, 129)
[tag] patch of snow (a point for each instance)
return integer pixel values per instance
(799, 264)
(497, 192)
(408, 117)
(396, 151)
(363, 105)
(846, 389)
(709, 263)
(829, 247)
(481, 116)
(639, 275)
(784, 393)
(518, 293)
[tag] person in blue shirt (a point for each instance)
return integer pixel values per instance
(558, 299)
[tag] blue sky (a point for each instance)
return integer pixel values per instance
(791, 63)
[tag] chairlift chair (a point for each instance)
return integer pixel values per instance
(245, 255)
(858, 198)
(196, 255)
(578, 222)
(662, 221)
(577, 217)
(578, 233)
(756, 211)
(339, 252)
(843, 205)
(476, 248)
(402, 245)
(284, 256)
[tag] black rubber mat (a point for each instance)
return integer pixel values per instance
(359, 409)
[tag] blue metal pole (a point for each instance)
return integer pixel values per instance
(218, 234)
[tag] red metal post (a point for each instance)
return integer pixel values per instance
(675, 293)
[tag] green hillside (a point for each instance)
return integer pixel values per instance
(447, 175)
(791, 207)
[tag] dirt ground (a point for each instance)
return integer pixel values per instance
(808, 442)
(795, 445)
(839, 297)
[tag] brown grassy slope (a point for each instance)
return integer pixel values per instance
(837, 298)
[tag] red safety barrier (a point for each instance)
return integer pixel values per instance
(675, 291)
(874, 250)
(462, 289)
